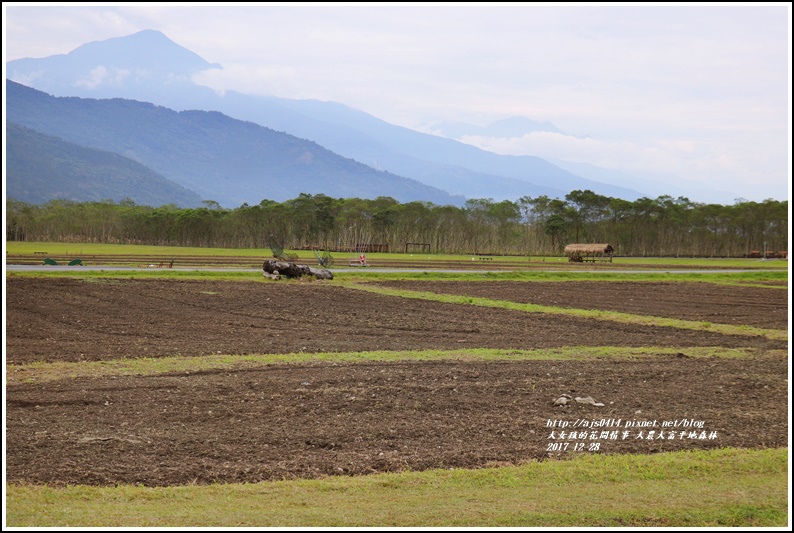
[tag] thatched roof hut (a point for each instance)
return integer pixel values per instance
(588, 249)
(589, 252)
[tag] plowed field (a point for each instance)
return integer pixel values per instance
(309, 420)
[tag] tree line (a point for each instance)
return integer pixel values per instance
(664, 226)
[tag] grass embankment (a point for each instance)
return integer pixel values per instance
(52, 371)
(725, 487)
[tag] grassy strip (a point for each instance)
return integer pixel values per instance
(725, 487)
(748, 279)
(759, 280)
(725, 329)
(44, 372)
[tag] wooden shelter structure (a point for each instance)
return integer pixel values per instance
(589, 252)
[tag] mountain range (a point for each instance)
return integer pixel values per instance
(224, 147)
(45, 168)
(222, 159)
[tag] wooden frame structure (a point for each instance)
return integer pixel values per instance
(589, 252)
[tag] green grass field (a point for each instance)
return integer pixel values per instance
(720, 488)
(87, 249)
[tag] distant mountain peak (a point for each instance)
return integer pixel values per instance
(146, 49)
(149, 35)
(146, 59)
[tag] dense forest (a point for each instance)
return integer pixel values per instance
(664, 226)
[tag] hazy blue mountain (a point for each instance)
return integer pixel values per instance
(444, 163)
(220, 158)
(438, 162)
(137, 66)
(40, 168)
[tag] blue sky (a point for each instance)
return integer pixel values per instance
(699, 94)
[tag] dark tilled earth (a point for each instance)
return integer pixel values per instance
(700, 302)
(74, 320)
(313, 420)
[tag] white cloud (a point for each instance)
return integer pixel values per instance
(102, 76)
(728, 166)
(27, 78)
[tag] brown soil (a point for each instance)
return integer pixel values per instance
(701, 302)
(311, 420)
